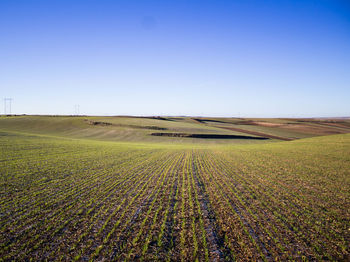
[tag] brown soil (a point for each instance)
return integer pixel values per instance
(321, 127)
(311, 129)
(340, 125)
(268, 124)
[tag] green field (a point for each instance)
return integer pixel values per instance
(105, 188)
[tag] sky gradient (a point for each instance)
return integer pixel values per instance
(201, 58)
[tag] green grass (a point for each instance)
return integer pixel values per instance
(69, 192)
(79, 127)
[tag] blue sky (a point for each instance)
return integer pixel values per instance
(211, 58)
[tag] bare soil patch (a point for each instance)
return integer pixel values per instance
(310, 127)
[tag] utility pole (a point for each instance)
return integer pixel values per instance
(76, 107)
(7, 104)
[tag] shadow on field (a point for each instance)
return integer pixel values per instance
(209, 136)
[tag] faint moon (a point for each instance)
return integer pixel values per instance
(148, 22)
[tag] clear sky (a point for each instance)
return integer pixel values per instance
(243, 58)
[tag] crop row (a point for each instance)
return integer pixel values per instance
(90, 201)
